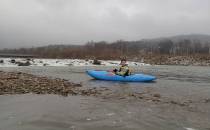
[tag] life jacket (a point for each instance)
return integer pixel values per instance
(124, 71)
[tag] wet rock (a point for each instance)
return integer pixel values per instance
(156, 100)
(1, 83)
(27, 63)
(157, 95)
(207, 100)
(1, 61)
(183, 103)
(140, 96)
(12, 61)
(173, 102)
(45, 64)
(96, 62)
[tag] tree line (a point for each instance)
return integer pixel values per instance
(114, 50)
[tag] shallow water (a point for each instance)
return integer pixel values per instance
(77, 112)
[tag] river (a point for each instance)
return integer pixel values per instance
(53, 112)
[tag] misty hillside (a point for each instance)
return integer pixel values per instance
(202, 38)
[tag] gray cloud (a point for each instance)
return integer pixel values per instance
(26, 23)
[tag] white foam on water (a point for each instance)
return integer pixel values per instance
(110, 114)
(189, 128)
(88, 119)
(64, 62)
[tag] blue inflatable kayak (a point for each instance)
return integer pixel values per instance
(105, 75)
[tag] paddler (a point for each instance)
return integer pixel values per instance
(124, 69)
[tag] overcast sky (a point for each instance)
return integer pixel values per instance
(27, 23)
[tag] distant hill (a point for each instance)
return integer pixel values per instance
(202, 38)
(193, 37)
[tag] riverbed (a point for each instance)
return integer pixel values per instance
(184, 104)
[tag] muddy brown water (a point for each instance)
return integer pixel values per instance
(53, 112)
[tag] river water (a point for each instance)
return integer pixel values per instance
(53, 112)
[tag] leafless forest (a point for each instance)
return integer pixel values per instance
(115, 50)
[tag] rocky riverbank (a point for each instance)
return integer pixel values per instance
(22, 83)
